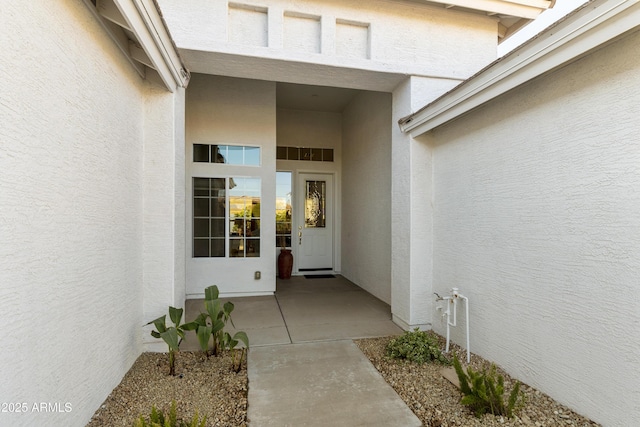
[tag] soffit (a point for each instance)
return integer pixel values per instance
(140, 32)
(313, 98)
(511, 14)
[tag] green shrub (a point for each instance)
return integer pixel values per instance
(483, 392)
(416, 346)
(158, 419)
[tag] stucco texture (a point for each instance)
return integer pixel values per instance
(536, 220)
(366, 193)
(403, 38)
(71, 224)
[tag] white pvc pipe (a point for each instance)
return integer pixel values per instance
(466, 308)
(453, 299)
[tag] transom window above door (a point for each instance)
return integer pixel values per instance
(243, 155)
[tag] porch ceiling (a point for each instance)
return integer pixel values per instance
(382, 79)
(313, 98)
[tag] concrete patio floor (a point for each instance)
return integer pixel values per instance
(305, 310)
(304, 369)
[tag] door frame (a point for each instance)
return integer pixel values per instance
(293, 167)
(298, 218)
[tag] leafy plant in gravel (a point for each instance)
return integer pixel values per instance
(483, 391)
(171, 335)
(238, 354)
(158, 419)
(211, 325)
(416, 346)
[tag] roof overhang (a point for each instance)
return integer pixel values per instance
(138, 29)
(593, 25)
(510, 14)
(529, 9)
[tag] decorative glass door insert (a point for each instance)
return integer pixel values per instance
(315, 204)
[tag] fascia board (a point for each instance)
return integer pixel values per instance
(594, 25)
(529, 9)
(145, 22)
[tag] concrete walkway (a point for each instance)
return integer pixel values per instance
(304, 369)
(321, 384)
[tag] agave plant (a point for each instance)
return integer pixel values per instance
(484, 391)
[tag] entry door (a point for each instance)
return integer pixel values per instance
(314, 236)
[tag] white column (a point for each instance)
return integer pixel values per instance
(412, 211)
(163, 206)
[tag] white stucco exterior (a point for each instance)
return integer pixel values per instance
(399, 48)
(163, 203)
(527, 203)
(83, 227)
(535, 220)
(366, 193)
(253, 39)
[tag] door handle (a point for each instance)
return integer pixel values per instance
(299, 237)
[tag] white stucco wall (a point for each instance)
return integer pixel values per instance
(163, 206)
(71, 224)
(536, 220)
(385, 37)
(366, 193)
(228, 111)
(411, 208)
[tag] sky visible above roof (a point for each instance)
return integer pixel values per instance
(546, 18)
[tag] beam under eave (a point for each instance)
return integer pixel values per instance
(117, 34)
(502, 31)
(138, 54)
(108, 10)
(595, 24)
(146, 23)
(514, 28)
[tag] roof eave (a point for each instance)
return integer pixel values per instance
(138, 29)
(596, 23)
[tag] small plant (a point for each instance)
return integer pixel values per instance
(203, 331)
(416, 346)
(237, 354)
(484, 391)
(157, 419)
(172, 335)
(211, 325)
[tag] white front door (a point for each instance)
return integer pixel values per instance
(314, 236)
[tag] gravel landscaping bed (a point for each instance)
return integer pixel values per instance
(208, 386)
(436, 402)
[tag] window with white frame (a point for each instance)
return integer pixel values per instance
(226, 217)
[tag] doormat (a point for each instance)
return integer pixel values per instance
(319, 276)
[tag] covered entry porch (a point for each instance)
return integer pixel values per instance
(305, 310)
